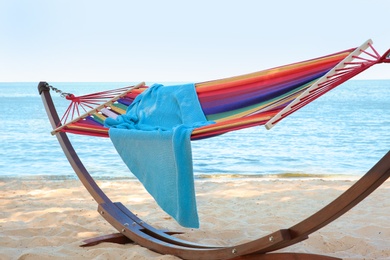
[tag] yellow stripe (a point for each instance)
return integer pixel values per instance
(117, 109)
(102, 117)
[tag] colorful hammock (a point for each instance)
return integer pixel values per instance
(260, 98)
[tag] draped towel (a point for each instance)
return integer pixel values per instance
(153, 139)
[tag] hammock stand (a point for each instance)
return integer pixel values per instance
(134, 229)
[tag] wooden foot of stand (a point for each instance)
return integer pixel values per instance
(117, 238)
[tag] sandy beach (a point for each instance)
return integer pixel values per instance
(49, 219)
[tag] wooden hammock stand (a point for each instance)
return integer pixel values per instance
(134, 229)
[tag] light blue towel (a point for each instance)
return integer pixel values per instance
(153, 139)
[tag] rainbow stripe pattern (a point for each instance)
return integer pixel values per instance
(243, 101)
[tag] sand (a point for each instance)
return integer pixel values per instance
(49, 219)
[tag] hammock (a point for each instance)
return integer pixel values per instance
(260, 98)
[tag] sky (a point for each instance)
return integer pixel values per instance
(179, 41)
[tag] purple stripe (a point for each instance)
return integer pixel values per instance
(91, 121)
(219, 105)
(126, 101)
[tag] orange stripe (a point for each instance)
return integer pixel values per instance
(265, 74)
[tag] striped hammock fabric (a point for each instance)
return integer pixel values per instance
(259, 98)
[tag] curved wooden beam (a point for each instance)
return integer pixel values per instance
(162, 242)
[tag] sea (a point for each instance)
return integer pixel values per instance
(343, 133)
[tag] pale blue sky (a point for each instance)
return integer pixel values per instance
(159, 41)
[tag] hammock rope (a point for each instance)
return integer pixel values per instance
(91, 99)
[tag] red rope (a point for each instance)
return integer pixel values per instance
(87, 102)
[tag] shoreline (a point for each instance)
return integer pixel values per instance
(197, 177)
(49, 219)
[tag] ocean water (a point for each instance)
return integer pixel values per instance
(344, 132)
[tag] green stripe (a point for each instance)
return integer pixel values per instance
(98, 119)
(120, 105)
